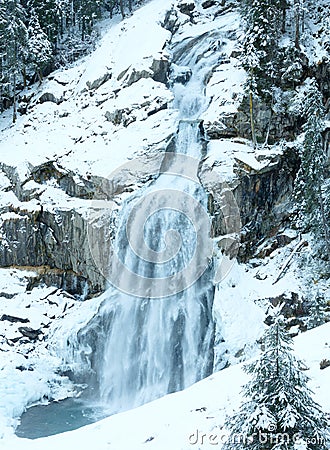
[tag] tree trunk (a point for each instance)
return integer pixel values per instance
(24, 76)
(39, 72)
(83, 29)
(252, 120)
(324, 222)
(14, 105)
(283, 20)
(297, 24)
(121, 5)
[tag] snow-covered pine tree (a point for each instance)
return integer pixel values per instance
(317, 310)
(264, 22)
(13, 38)
(88, 11)
(278, 410)
(39, 47)
(310, 180)
(3, 81)
(49, 16)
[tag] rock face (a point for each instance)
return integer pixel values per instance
(56, 245)
(66, 240)
(186, 7)
(262, 198)
(72, 170)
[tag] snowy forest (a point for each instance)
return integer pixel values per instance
(40, 36)
(165, 224)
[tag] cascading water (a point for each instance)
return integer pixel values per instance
(155, 334)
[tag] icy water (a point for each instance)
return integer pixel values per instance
(58, 417)
(155, 332)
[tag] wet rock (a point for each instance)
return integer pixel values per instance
(160, 67)
(263, 199)
(180, 74)
(58, 241)
(59, 245)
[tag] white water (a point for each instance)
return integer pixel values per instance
(144, 346)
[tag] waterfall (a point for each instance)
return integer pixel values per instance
(154, 334)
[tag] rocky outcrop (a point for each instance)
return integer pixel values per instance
(60, 225)
(55, 245)
(157, 70)
(95, 84)
(171, 22)
(146, 98)
(180, 74)
(186, 7)
(262, 197)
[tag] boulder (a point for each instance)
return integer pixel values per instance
(49, 97)
(13, 319)
(209, 3)
(30, 333)
(158, 70)
(95, 84)
(186, 7)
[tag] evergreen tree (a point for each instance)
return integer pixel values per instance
(263, 25)
(311, 176)
(49, 17)
(13, 38)
(317, 311)
(278, 408)
(88, 11)
(39, 47)
(3, 83)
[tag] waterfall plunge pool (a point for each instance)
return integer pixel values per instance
(57, 417)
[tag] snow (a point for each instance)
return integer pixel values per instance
(27, 370)
(226, 156)
(92, 145)
(51, 131)
(178, 420)
(144, 37)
